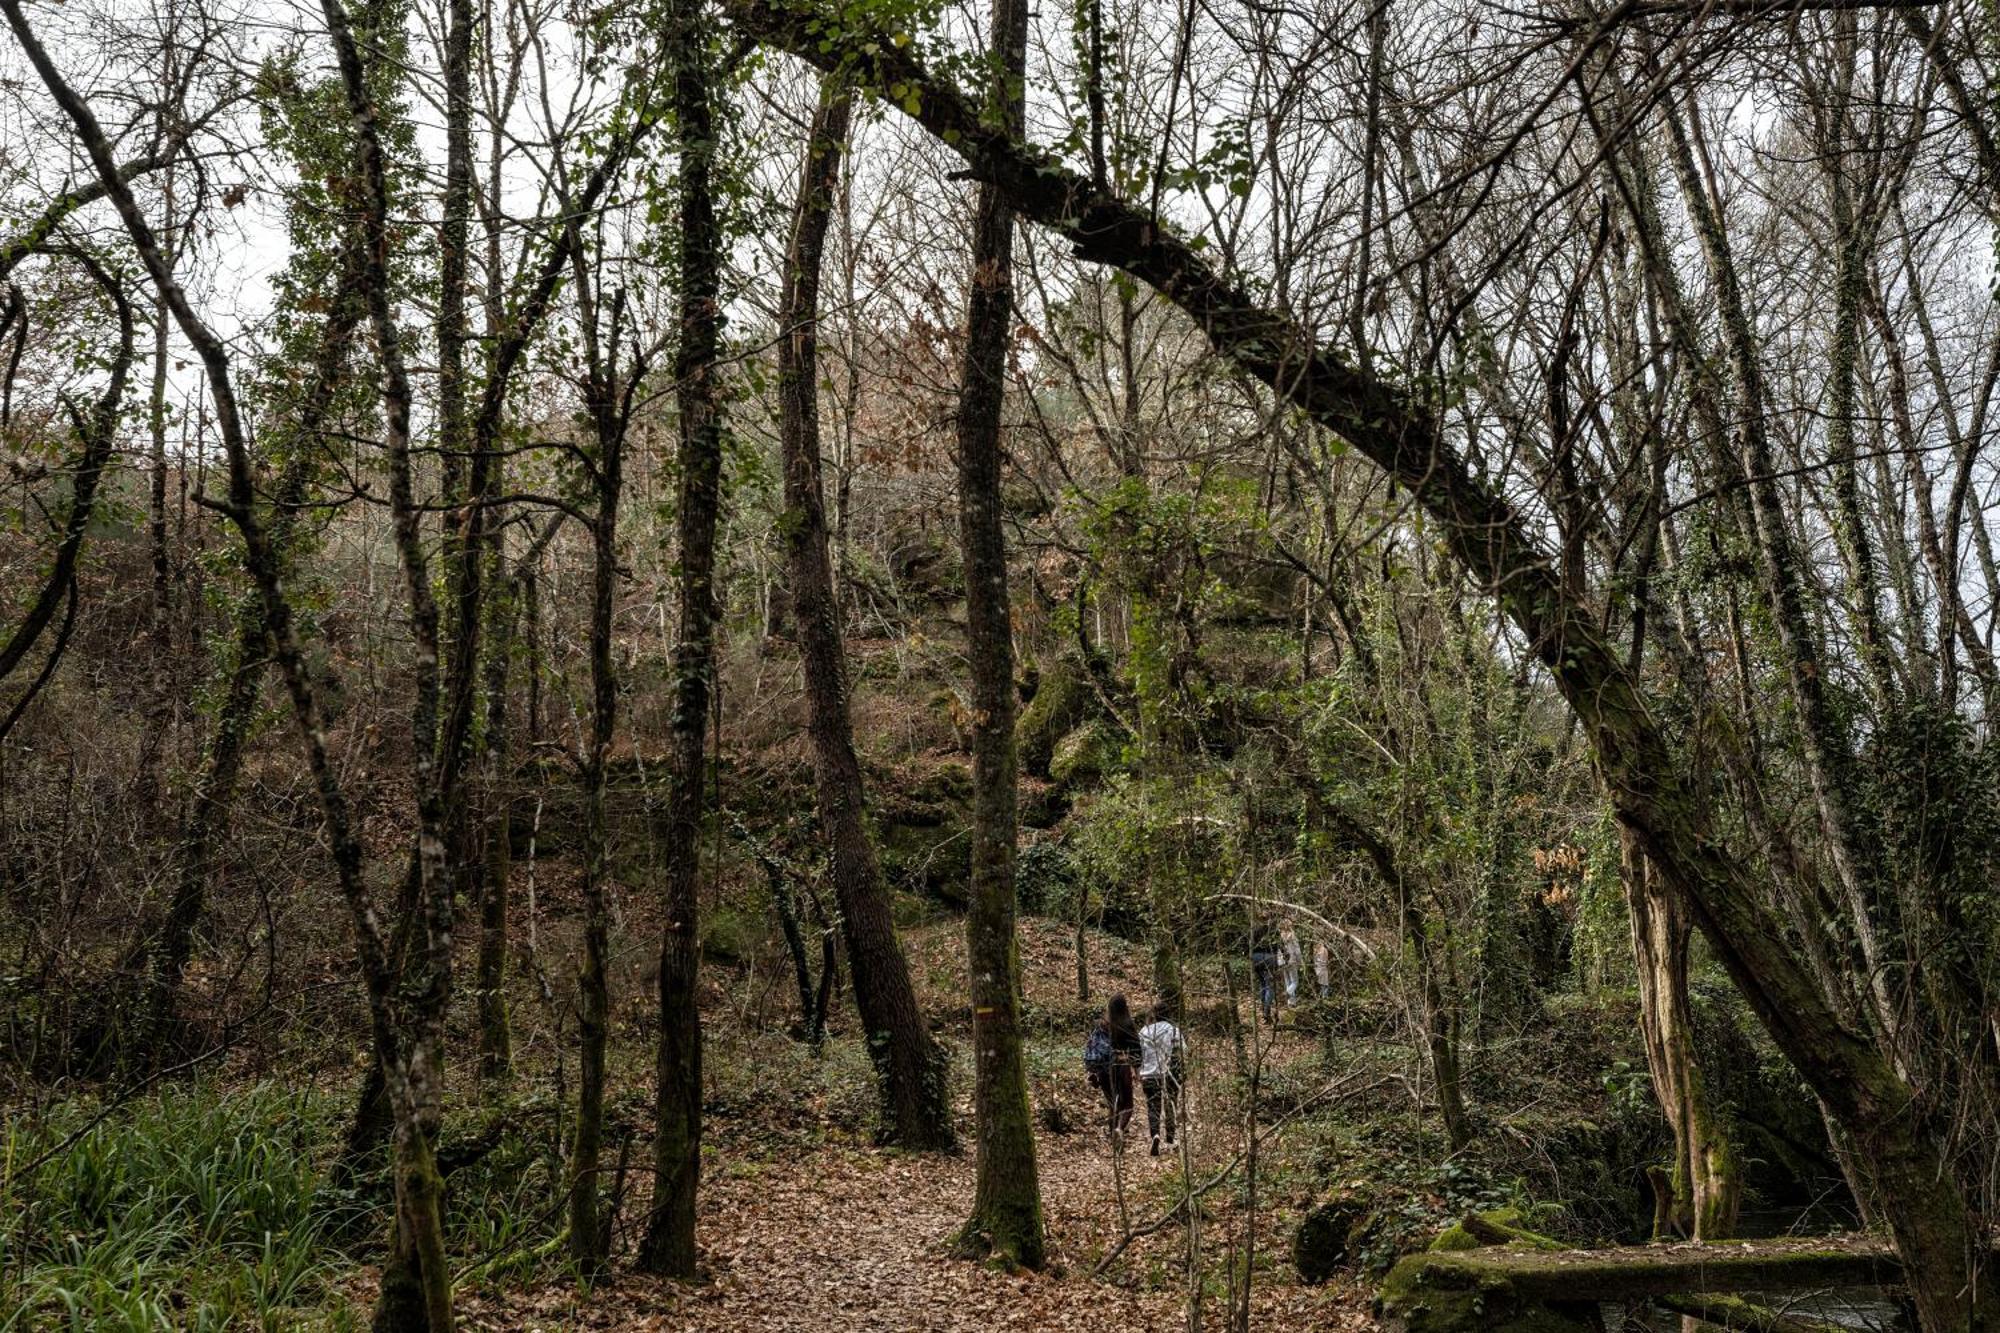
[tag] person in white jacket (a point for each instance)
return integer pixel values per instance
(1323, 968)
(1162, 1065)
(1290, 960)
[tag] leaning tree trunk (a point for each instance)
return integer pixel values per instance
(1923, 1200)
(216, 791)
(668, 1246)
(916, 1110)
(1006, 1206)
(1699, 1201)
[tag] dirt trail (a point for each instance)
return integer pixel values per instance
(847, 1238)
(827, 1236)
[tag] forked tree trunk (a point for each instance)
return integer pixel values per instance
(1439, 1018)
(668, 1246)
(916, 1109)
(1006, 1206)
(1701, 1197)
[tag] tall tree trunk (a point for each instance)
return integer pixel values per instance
(586, 1239)
(668, 1246)
(468, 454)
(512, 592)
(409, 1024)
(916, 1110)
(156, 502)
(589, 1236)
(496, 1047)
(1007, 1204)
(1703, 1193)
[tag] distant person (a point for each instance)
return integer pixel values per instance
(1264, 963)
(1111, 1056)
(1323, 968)
(1162, 1069)
(1290, 958)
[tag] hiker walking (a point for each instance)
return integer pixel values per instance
(1323, 968)
(1264, 963)
(1162, 1067)
(1290, 958)
(1111, 1057)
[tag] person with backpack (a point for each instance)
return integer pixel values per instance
(1162, 1066)
(1111, 1058)
(1264, 964)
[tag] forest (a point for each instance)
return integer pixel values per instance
(889, 664)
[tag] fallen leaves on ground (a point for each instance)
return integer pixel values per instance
(853, 1238)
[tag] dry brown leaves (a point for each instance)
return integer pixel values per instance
(853, 1239)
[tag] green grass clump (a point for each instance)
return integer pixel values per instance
(194, 1209)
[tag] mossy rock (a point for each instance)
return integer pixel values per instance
(909, 911)
(1423, 1295)
(730, 934)
(1043, 804)
(935, 862)
(1501, 1226)
(1062, 701)
(923, 819)
(1085, 755)
(924, 564)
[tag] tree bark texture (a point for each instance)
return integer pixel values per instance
(1006, 1206)
(916, 1109)
(668, 1246)
(1705, 1188)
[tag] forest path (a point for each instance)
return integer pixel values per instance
(848, 1238)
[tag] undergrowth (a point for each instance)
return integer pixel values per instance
(190, 1210)
(201, 1208)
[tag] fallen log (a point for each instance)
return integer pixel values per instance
(1520, 1288)
(1736, 1314)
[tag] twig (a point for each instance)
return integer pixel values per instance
(1367, 949)
(1174, 1214)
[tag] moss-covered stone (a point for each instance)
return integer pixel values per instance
(1501, 1226)
(1063, 701)
(1085, 755)
(922, 819)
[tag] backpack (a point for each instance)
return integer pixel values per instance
(1097, 1056)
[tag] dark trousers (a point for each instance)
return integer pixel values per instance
(1265, 965)
(1163, 1101)
(1118, 1095)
